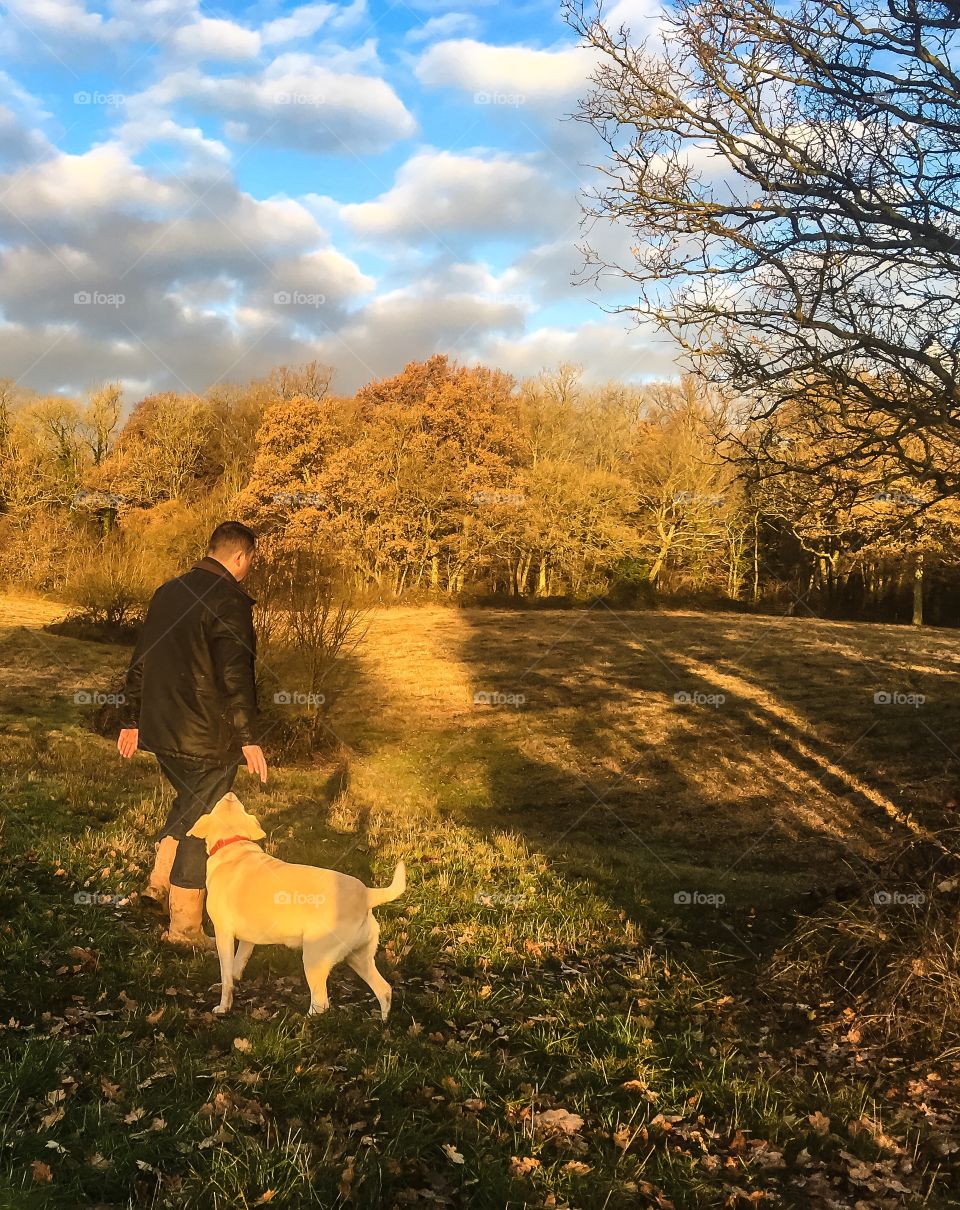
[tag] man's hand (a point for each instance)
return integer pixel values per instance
(256, 761)
(127, 743)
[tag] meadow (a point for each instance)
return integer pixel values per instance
(680, 928)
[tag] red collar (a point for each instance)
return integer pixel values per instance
(226, 840)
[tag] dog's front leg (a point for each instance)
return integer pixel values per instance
(317, 964)
(225, 953)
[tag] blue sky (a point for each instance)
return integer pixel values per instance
(191, 194)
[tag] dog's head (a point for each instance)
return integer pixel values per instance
(228, 818)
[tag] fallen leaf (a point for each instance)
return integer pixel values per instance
(452, 1154)
(523, 1167)
(576, 1168)
(558, 1120)
(820, 1123)
(41, 1172)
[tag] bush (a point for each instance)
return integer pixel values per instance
(109, 592)
(307, 627)
(34, 547)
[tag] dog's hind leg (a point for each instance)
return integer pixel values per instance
(225, 954)
(241, 958)
(362, 961)
(318, 961)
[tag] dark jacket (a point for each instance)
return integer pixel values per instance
(190, 685)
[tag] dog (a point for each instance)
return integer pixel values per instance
(254, 899)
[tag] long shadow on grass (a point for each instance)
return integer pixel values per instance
(641, 756)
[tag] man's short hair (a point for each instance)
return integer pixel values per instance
(231, 536)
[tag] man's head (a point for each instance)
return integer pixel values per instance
(233, 545)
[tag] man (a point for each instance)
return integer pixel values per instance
(190, 699)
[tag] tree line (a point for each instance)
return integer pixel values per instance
(461, 483)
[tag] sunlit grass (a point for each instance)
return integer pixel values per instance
(538, 958)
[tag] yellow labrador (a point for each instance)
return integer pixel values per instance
(254, 899)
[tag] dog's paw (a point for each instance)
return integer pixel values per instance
(220, 1011)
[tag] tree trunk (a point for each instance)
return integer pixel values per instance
(918, 591)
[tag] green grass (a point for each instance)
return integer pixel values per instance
(538, 958)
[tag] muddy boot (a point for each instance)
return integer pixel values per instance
(186, 919)
(155, 894)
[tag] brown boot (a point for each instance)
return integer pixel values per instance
(157, 890)
(186, 919)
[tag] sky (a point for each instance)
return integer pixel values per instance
(191, 194)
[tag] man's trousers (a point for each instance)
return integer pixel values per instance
(199, 787)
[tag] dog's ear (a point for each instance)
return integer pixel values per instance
(249, 826)
(201, 829)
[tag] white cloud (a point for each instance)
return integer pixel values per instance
(449, 25)
(538, 75)
(440, 192)
(411, 325)
(641, 17)
(198, 149)
(298, 23)
(178, 263)
(215, 38)
(607, 351)
(61, 19)
(69, 188)
(19, 142)
(297, 101)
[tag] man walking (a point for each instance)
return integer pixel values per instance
(190, 699)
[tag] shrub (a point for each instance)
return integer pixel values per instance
(109, 591)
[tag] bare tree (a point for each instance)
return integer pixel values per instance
(792, 175)
(311, 379)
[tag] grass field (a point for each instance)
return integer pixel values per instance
(602, 966)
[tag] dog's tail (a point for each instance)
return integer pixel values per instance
(383, 894)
